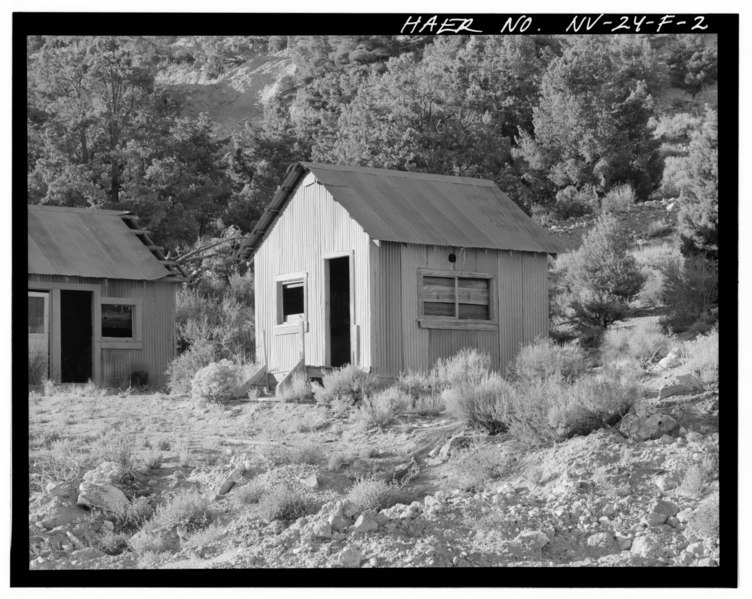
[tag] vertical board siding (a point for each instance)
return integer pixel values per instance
(157, 327)
(311, 226)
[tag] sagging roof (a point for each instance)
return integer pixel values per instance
(418, 208)
(84, 242)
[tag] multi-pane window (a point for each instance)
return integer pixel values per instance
(456, 296)
(36, 314)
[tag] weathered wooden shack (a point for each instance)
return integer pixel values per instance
(101, 301)
(391, 270)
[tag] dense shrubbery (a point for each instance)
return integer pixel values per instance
(690, 291)
(383, 408)
(214, 321)
(599, 279)
(541, 406)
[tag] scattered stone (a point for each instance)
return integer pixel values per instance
(77, 543)
(681, 385)
(366, 522)
(672, 359)
(646, 547)
(349, 557)
(349, 509)
(105, 497)
(108, 526)
(231, 480)
(454, 444)
(643, 428)
(666, 507)
(374, 562)
(322, 530)
(684, 515)
(312, 482)
(608, 510)
(707, 562)
(65, 490)
(534, 539)
(655, 519)
(697, 549)
(601, 543)
(673, 522)
(624, 543)
(338, 522)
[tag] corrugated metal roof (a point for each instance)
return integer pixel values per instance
(418, 208)
(88, 243)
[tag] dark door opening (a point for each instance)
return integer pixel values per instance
(339, 310)
(75, 336)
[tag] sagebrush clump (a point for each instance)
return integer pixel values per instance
(383, 408)
(483, 403)
(297, 390)
(544, 358)
(371, 494)
(282, 502)
(701, 356)
(348, 384)
(645, 343)
(216, 382)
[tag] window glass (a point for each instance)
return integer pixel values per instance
(293, 301)
(464, 298)
(117, 320)
(36, 314)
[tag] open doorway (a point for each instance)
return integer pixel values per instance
(75, 336)
(338, 290)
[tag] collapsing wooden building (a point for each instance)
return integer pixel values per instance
(101, 297)
(390, 270)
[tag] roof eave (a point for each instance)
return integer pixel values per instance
(294, 174)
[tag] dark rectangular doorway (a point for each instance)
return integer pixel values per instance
(339, 310)
(75, 336)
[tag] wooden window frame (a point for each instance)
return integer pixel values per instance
(134, 342)
(289, 328)
(448, 322)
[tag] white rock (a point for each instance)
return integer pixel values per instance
(366, 522)
(105, 497)
(646, 547)
(672, 359)
(533, 538)
(349, 557)
(312, 482)
(696, 549)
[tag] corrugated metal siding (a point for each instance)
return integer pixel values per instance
(311, 226)
(157, 327)
(521, 303)
(390, 321)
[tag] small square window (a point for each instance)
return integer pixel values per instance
(293, 301)
(117, 320)
(456, 296)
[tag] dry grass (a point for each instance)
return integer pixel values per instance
(248, 494)
(701, 357)
(297, 391)
(474, 468)
(37, 367)
(282, 502)
(370, 494)
(645, 343)
(383, 408)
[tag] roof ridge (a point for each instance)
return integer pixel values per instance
(76, 209)
(457, 179)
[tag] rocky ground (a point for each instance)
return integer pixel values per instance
(642, 493)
